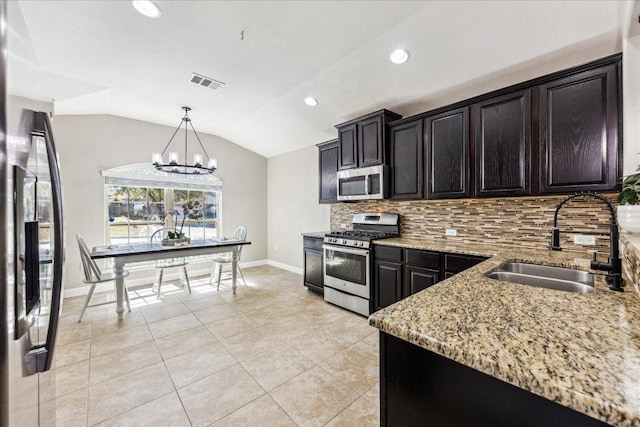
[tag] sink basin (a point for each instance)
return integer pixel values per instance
(542, 276)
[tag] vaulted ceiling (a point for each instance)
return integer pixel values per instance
(102, 57)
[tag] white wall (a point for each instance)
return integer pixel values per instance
(293, 204)
(89, 144)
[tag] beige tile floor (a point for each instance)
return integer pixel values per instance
(274, 354)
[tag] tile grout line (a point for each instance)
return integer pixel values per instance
(301, 303)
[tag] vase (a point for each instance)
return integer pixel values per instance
(629, 218)
(176, 242)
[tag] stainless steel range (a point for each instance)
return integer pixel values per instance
(347, 260)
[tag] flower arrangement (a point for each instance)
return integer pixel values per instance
(192, 210)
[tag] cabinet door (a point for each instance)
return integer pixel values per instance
(348, 147)
(447, 154)
(458, 263)
(503, 145)
(328, 183)
(407, 161)
(417, 279)
(370, 142)
(313, 274)
(579, 132)
(387, 284)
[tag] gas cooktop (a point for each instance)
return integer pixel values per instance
(366, 228)
(361, 234)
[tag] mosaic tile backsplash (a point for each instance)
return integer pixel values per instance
(518, 221)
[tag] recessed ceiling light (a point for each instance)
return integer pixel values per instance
(147, 8)
(311, 102)
(399, 56)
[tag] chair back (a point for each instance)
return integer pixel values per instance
(240, 233)
(91, 270)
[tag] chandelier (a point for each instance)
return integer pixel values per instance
(174, 165)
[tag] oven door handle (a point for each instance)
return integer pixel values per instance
(344, 249)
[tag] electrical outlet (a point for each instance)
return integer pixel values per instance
(580, 239)
(450, 232)
(275, 248)
(343, 225)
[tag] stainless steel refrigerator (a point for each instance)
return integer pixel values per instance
(32, 239)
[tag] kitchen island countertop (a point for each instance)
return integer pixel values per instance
(579, 350)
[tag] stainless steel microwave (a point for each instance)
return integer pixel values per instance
(363, 183)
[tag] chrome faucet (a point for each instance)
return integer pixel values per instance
(613, 266)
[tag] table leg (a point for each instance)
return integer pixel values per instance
(119, 270)
(234, 269)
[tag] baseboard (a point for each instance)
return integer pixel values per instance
(284, 266)
(148, 280)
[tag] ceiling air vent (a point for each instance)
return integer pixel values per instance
(205, 81)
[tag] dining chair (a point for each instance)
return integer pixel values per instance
(161, 264)
(240, 233)
(93, 275)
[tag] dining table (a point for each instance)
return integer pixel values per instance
(141, 252)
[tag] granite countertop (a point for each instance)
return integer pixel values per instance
(579, 350)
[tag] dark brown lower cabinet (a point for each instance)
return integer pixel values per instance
(421, 388)
(313, 264)
(387, 284)
(454, 263)
(399, 273)
(418, 279)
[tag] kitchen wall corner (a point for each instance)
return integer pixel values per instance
(293, 206)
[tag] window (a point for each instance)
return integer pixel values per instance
(135, 213)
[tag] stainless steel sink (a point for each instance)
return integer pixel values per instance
(542, 276)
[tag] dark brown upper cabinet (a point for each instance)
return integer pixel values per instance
(502, 136)
(348, 147)
(447, 154)
(555, 134)
(363, 141)
(328, 167)
(370, 146)
(406, 161)
(579, 131)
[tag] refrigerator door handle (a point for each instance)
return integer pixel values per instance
(58, 253)
(32, 266)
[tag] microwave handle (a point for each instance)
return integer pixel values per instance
(366, 184)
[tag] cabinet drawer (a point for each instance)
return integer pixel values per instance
(423, 259)
(387, 252)
(312, 243)
(458, 263)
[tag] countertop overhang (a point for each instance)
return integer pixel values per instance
(579, 350)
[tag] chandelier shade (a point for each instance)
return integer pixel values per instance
(173, 165)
